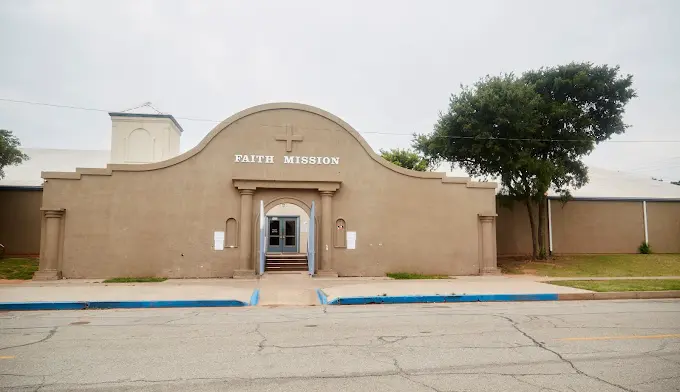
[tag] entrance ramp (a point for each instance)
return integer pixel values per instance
(286, 288)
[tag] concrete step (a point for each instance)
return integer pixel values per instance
(286, 262)
(285, 268)
(286, 274)
(275, 255)
(301, 265)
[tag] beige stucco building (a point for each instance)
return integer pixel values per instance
(277, 186)
(198, 214)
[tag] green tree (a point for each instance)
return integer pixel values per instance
(531, 132)
(9, 151)
(405, 158)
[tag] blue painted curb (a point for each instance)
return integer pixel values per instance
(75, 305)
(323, 300)
(415, 299)
(42, 305)
(255, 298)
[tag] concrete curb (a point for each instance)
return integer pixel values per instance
(414, 299)
(619, 295)
(323, 299)
(255, 298)
(79, 305)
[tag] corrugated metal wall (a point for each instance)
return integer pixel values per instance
(594, 226)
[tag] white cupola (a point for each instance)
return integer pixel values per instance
(143, 138)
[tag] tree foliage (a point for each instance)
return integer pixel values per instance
(531, 132)
(10, 154)
(405, 158)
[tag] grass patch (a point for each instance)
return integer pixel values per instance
(135, 280)
(406, 275)
(597, 265)
(18, 268)
(622, 285)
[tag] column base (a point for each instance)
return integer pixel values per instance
(244, 274)
(326, 274)
(47, 275)
(491, 271)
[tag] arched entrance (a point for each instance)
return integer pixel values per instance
(285, 239)
(287, 229)
(259, 196)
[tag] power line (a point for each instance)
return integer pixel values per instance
(366, 132)
(53, 105)
(529, 139)
(94, 109)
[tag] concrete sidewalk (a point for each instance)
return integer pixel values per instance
(273, 290)
(79, 294)
(284, 290)
(479, 287)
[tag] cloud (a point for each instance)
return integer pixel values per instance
(383, 66)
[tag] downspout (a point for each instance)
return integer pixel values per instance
(644, 215)
(550, 237)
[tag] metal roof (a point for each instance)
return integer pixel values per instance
(28, 173)
(610, 185)
(604, 184)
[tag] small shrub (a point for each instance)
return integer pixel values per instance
(644, 248)
(407, 275)
(136, 280)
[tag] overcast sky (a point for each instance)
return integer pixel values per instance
(382, 66)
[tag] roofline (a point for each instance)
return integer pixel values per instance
(21, 188)
(650, 199)
(577, 198)
(148, 115)
(226, 126)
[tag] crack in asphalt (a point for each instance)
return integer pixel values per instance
(659, 356)
(662, 346)
(21, 375)
(540, 387)
(406, 375)
(261, 343)
(360, 346)
(380, 346)
(401, 373)
(43, 383)
(563, 359)
(387, 338)
(384, 339)
(657, 380)
(190, 315)
(46, 338)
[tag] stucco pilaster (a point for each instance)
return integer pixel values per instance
(489, 259)
(326, 247)
(49, 259)
(245, 236)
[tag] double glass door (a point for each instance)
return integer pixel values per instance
(282, 233)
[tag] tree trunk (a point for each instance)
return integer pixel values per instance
(532, 223)
(542, 208)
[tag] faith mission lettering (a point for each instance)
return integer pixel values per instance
(287, 159)
(289, 138)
